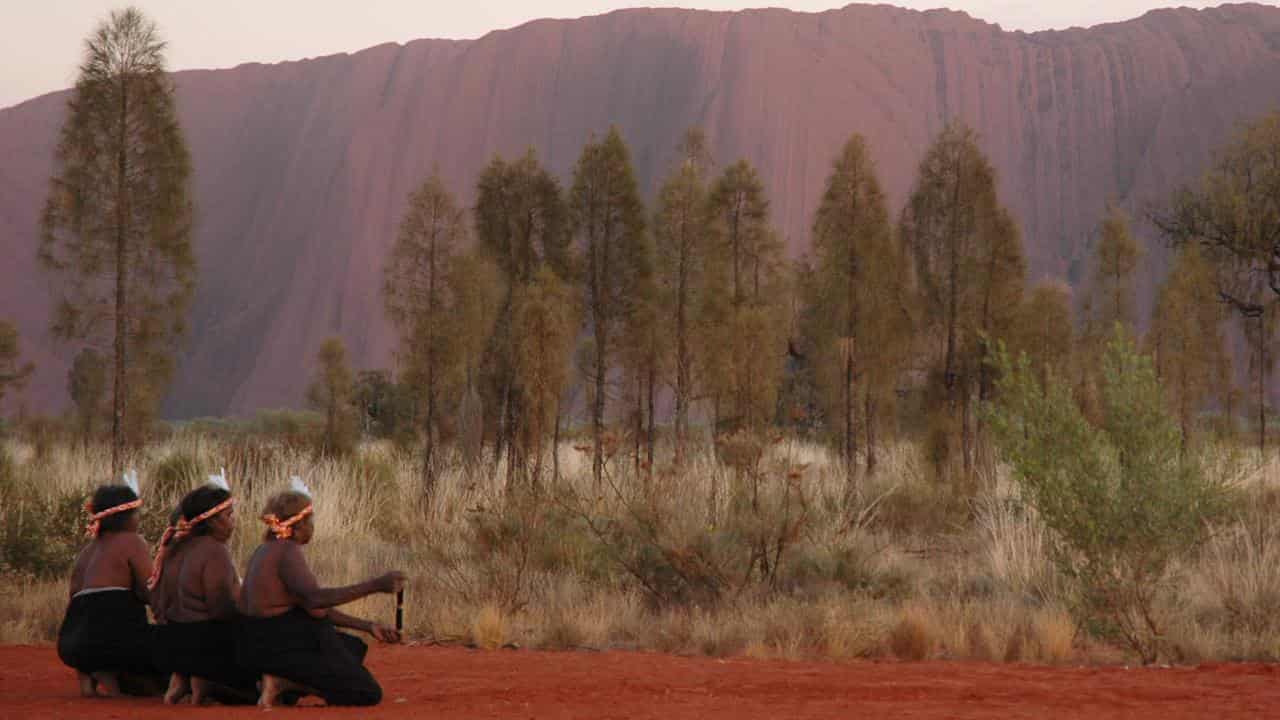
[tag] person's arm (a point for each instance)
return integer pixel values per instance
(222, 586)
(351, 622)
(301, 583)
(377, 630)
(140, 565)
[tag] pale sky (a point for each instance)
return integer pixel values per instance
(43, 37)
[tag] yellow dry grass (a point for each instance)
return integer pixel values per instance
(893, 564)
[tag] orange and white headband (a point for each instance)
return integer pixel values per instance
(184, 527)
(130, 479)
(283, 529)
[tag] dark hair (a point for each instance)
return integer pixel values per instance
(285, 505)
(174, 517)
(107, 497)
(198, 502)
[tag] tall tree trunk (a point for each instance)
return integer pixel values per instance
(849, 443)
(651, 433)
(682, 358)
(869, 420)
(1262, 385)
(966, 438)
(555, 444)
(515, 449)
(1184, 412)
(602, 345)
(950, 378)
(851, 324)
(639, 416)
(428, 449)
(118, 401)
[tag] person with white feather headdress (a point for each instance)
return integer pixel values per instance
(104, 634)
(289, 632)
(194, 589)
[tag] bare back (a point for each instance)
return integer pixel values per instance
(264, 593)
(207, 586)
(113, 560)
(165, 593)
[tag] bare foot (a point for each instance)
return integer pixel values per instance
(88, 688)
(273, 686)
(179, 688)
(200, 689)
(108, 684)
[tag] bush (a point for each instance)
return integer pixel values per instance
(39, 535)
(173, 476)
(1121, 497)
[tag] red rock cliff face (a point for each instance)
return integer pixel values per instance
(303, 168)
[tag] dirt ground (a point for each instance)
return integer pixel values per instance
(458, 683)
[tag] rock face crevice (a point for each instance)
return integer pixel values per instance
(303, 168)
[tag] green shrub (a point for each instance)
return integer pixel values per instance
(1121, 497)
(40, 535)
(173, 476)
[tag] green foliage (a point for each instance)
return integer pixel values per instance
(420, 301)
(1233, 216)
(331, 393)
(117, 223)
(1187, 340)
(87, 386)
(174, 476)
(478, 295)
(1115, 261)
(609, 219)
(1045, 331)
(856, 324)
(1120, 498)
(970, 268)
(745, 308)
(682, 230)
(545, 327)
(40, 533)
(524, 225)
(12, 375)
(386, 408)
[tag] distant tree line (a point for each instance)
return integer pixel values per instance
(692, 305)
(549, 308)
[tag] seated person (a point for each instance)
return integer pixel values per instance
(193, 595)
(105, 635)
(289, 632)
(161, 592)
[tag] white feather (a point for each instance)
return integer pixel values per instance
(220, 480)
(130, 478)
(296, 485)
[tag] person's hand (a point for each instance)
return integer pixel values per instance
(384, 633)
(392, 582)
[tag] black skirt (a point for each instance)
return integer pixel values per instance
(206, 650)
(310, 652)
(108, 631)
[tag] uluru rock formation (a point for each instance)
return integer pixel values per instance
(303, 168)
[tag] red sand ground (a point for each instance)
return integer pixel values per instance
(458, 683)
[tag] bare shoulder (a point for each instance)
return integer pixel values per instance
(268, 553)
(201, 545)
(210, 550)
(129, 542)
(124, 545)
(288, 551)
